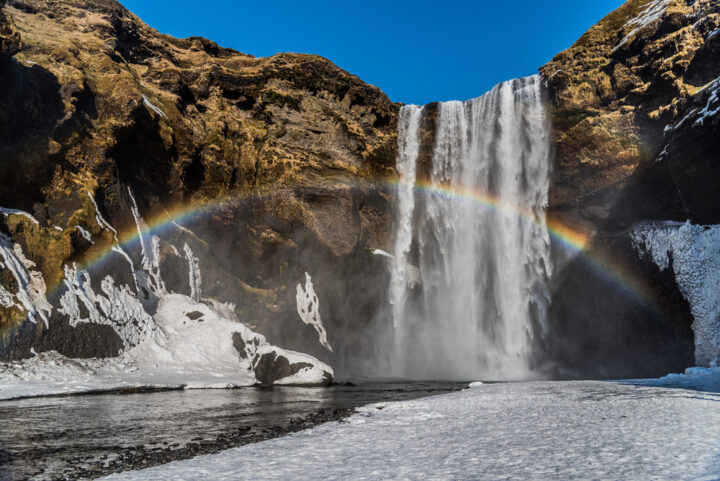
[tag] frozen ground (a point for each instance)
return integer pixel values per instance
(191, 347)
(514, 431)
(695, 378)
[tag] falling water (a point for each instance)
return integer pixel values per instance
(468, 280)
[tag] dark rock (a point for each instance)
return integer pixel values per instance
(271, 367)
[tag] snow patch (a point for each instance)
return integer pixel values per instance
(712, 107)
(150, 254)
(152, 107)
(695, 254)
(506, 431)
(653, 11)
(379, 252)
(194, 273)
(31, 290)
(9, 212)
(308, 308)
(190, 345)
(117, 307)
(86, 235)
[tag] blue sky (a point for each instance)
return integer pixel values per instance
(416, 51)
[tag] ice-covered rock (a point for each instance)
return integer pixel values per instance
(308, 307)
(693, 253)
(30, 295)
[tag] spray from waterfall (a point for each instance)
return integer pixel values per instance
(468, 287)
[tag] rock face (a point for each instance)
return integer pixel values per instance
(639, 70)
(627, 102)
(276, 155)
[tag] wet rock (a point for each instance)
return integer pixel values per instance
(271, 367)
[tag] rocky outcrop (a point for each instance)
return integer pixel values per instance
(275, 155)
(638, 71)
(9, 36)
(631, 146)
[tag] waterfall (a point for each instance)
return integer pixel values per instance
(468, 290)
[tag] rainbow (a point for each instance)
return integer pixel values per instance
(576, 242)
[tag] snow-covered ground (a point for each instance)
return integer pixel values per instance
(512, 431)
(695, 378)
(192, 346)
(169, 340)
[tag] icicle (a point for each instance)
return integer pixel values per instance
(308, 308)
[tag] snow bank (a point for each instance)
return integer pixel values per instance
(695, 254)
(170, 340)
(191, 345)
(695, 378)
(509, 431)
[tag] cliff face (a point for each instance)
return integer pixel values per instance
(274, 154)
(267, 168)
(627, 100)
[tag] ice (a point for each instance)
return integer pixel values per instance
(117, 307)
(152, 107)
(150, 253)
(695, 378)
(308, 308)
(169, 340)
(506, 431)
(31, 290)
(9, 212)
(100, 219)
(653, 11)
(380, 252)
(86, 235)
(695, 252)
(194, 273)
(190, 345)
(712, 107)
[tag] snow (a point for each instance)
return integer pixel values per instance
(100, 219)
(179, 352)
(152, 107)
(695, 252)
(653, 11)
(712, 107)
(380, 252)
(169, 340)
(9, 212)
(150, 277)
(31, 290)
(308, 308)
(194, 273)
(695, 378)
(507, 431)
(118, 307)
(86, 235)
